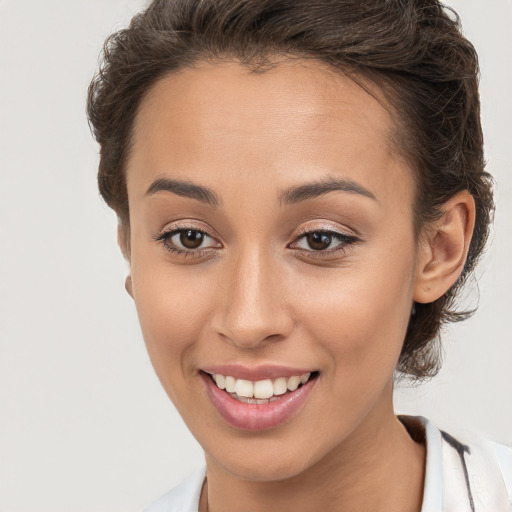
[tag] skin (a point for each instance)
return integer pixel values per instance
(259, 294)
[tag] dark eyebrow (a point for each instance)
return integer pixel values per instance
(319, 188)
(184, 189)
(289, 196)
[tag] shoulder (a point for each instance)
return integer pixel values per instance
(464, 472)
(483, 466)
(183, 498)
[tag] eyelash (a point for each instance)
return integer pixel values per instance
(165, 239)
(345, 242)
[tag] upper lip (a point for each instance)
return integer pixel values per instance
(255, 373)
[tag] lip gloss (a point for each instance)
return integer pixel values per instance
(256, 417)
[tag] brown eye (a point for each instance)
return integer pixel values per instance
(191, 239)
(325, 243)
(187, 241)
(319, 241)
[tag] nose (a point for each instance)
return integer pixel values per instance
(253, 302)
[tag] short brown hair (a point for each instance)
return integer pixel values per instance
(412, 49)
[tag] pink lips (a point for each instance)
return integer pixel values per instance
(255, 417)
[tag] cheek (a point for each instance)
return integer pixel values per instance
(173, 309)
(360, 315)
(358, 323)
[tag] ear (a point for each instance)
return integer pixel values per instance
(444, 248)
(122, 241)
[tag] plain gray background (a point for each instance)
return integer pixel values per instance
(84, 424)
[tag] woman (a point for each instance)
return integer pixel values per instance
(301, 196)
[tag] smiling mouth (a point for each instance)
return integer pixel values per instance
(261, 391)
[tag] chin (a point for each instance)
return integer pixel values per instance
(273, 471)
(265, 461)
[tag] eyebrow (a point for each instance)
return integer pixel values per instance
(299, 193)
(291, 195)
(185, 189)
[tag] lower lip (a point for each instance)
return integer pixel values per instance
(254, 417)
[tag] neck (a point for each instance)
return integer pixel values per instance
(378, 468)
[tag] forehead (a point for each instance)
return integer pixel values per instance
(214, 121)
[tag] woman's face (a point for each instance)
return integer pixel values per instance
(271, 238)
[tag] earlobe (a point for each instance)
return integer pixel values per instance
(443, 251)
(128, 285)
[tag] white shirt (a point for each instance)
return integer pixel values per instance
(462, 474)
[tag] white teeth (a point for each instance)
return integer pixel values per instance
(244, 388)
(261, 390)
(280, 387)
(230, 384)
(220, 380)
(293, 383)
